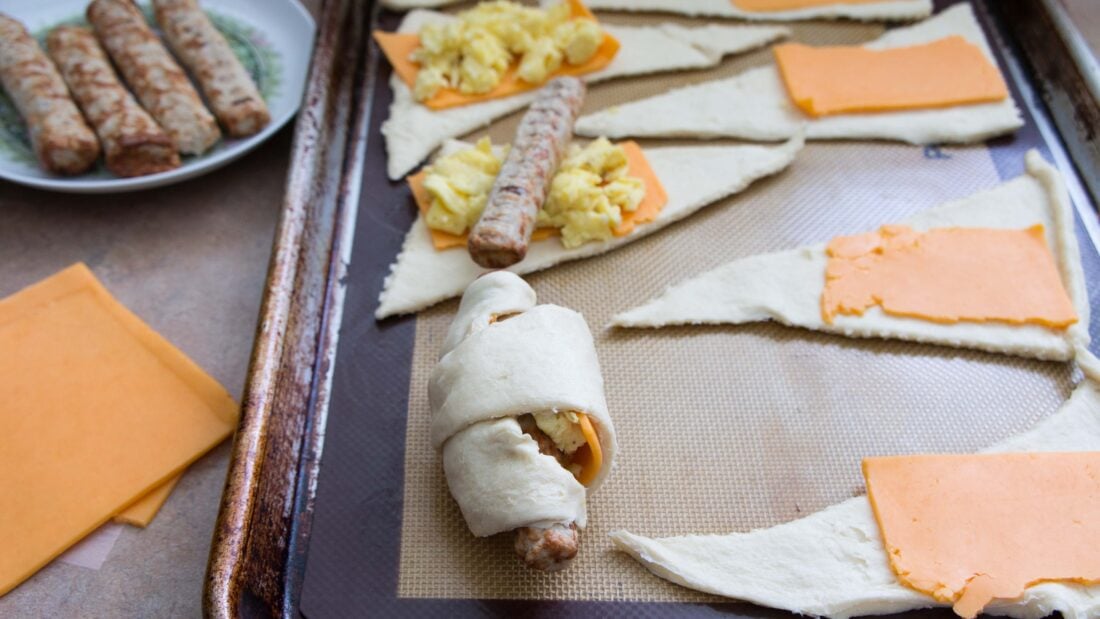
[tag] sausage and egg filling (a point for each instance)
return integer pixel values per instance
(588, 194)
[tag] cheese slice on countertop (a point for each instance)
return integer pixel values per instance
(787, 286)
(969, 529)
(413, 130)
(833, 563)
(142, 512)
(99, 410)
(692, 177)
(755, 106)
(843, 79)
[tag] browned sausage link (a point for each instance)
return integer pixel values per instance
(61, 139)
(550, 549)
(227, 85)
(154, 76)
(500, 237)
(133, 143)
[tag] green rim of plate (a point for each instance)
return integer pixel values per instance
(250, 46)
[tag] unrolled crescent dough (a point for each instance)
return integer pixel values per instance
(786, 286)
(888, 10)
(895, 10)
(754, 105)
(833, 563)
(413, 131)
(693, 177)
(541, 358)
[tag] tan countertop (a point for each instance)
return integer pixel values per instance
(189, 259)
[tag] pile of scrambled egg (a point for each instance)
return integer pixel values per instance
(459, 186)
(563, 428)
(472, 53)
(588, 194)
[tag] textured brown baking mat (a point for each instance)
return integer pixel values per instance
(721, 428)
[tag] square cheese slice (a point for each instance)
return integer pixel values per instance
(98, 411)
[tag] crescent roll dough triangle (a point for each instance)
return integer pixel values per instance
(833, 563)
(413, 131)
(888, 10)
(786, 286)
(754, 105)
(896, 10)
(693, 177)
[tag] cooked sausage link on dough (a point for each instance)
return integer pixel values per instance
(205, 52)
(154, 76)
(500, 238)
(61, 138)
(133, 143)
(550, 549)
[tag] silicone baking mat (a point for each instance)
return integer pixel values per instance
(721, 428)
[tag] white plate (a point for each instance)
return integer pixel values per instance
(274, 39)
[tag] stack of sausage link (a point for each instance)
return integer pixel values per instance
(140, 133)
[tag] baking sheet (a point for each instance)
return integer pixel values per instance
(721, 428)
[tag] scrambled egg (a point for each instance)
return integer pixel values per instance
(589, 194)
(562, 428)
(459, 186)
(472, 53)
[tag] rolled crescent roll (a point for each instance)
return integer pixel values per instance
(510, 365)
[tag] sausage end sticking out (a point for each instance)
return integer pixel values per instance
(553, 548)
(500, 237)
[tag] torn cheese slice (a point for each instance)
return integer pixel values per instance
(99, 410)
(786, 286)
(968, 529)
(754, 105)
(947, 275)
(692, 176)
(413, 130)
(772, 10)
(833, 563)
(842, 79)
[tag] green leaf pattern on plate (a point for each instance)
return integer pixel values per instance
(254, 51)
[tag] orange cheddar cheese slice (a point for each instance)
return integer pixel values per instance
(971, 529)
(590, 455)
(398, 49)
(843, 79)
(141, 513)
(773, 6)
(637, 166)
(99, 411)
(947, 275)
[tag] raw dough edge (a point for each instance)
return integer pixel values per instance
(693, 177)
(771, 286)
(754, 105)
(413, 131)
(833, 563)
